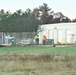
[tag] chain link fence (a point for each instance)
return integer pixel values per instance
(21, 37)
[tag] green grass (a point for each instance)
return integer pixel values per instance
(17, 60)
(39, 49)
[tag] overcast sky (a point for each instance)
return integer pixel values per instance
(67, 7)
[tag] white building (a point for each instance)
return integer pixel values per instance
(63, 33)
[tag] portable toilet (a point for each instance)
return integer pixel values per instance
(10, 40)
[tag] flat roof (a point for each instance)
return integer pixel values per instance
(70, 23)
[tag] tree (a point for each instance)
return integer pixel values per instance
(19, 22)
(44, 9)
(36, 13)
(59, 18)
(2, 14)
(19, 12)
(74, 20)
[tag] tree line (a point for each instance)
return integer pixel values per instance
(29, 20)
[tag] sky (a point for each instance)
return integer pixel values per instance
(67, 7)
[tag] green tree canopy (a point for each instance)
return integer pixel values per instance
(19, 22)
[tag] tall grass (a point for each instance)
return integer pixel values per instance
(38, 64)
(37, 60)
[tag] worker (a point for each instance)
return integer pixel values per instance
(37, 39)
(44, 39)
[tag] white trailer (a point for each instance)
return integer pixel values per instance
(63, 33)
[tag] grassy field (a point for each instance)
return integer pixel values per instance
(37, 60)
(39, 49)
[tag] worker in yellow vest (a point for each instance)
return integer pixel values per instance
(37, 39)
